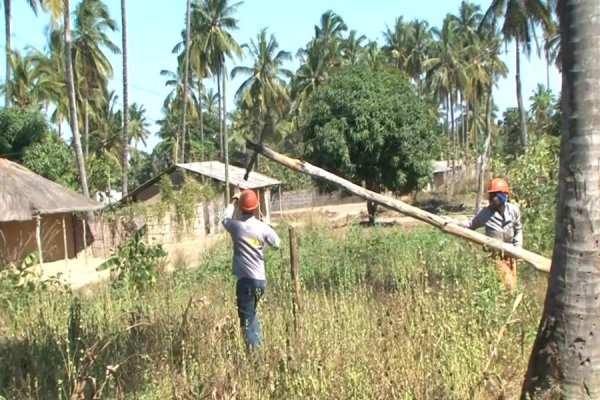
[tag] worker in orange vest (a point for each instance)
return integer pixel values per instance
(502, 220)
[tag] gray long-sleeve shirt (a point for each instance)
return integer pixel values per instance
(506, 226)
(249, 236)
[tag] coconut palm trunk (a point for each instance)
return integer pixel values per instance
(73, 101)
(86, 128)
(522, 121)
(125, 161)
(186, 73)
(225, 140)
(220, 105)
(201, 115)
(566, 354)
(8, 44)
(486, 147)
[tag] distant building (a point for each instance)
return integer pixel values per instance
(109, 197)
(442, 173)
(36, 215)
(208, 213)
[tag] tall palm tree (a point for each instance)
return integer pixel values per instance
(177, 97)
(564, 362)
(418, 50)
(542, 102)
(199, 63)
(138, 125)
(446, 68)
(31, 88)
(186, 73)
(331, 27)
(209, 101)
(34, 4)
(174, 102)
(520, 21)
(352, 47)
(58, 10)
(218, 21)
(91, 66)
(73, 100)
(447, 73)
(476, 44)
(125, 161)
(264, 94)
(312, 72)
(552, 49)
(397, 43)
(374, 57)
(50, 66)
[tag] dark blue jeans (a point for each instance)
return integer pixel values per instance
(248, 292)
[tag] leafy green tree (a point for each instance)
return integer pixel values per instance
(20, 128)
(53, 159)
(371, 128)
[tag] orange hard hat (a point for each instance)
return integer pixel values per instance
(248, 200)
(498, 185)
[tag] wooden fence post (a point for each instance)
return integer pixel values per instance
(294, 268)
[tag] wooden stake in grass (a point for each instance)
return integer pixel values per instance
(64, 232)
(38, 239)
(539, 262)
(294, 271)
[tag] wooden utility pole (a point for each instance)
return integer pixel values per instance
(539, 262)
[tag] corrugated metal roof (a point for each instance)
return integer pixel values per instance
(445, 165)
(440, 166)
(216, 170)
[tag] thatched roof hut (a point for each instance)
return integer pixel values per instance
(24, 193)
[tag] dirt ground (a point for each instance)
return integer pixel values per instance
(78, 273)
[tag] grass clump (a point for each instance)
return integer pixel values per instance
(387, 314)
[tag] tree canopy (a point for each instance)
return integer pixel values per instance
(372, 128)
(20, 128)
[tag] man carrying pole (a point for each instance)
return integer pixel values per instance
(249, 235)
(502, 220)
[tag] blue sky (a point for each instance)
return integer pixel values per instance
(153, 32)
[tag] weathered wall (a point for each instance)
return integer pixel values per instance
(296, 199)
(17, 239)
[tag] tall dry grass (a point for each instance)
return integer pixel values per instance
(388, 314)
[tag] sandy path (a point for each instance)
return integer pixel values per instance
(78, 273)
(339, 212)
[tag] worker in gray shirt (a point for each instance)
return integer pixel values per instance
(502, 220)
(249, 235)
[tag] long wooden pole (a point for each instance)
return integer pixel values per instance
(539, 262)
(64, 232)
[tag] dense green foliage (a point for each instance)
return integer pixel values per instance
(20, 128)
(54, 160)
(371, 128)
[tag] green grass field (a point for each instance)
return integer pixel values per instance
(388, 314)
